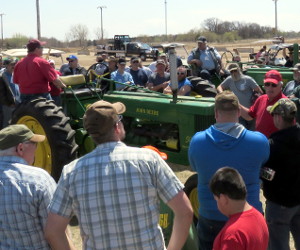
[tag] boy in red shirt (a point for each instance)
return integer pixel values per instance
(246, 227)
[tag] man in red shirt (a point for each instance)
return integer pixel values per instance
(33, 73)
(246, 227)
(264, 121)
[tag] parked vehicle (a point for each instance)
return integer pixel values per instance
(122, 46)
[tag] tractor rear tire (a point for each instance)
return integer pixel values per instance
(190, 189)
(44, 117)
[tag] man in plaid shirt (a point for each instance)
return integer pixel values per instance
(25, 191)
(114, 191)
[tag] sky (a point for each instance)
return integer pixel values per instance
(140, 17)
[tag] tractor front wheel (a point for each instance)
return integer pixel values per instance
(44, 117)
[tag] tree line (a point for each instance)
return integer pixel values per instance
(216, 31)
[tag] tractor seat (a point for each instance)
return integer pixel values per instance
(82, 92)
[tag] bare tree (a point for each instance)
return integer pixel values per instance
(78, 32)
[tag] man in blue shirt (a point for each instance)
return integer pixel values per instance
(226, 143)
(139, 75)
(205, 60)
(121, 76)
(184, 85)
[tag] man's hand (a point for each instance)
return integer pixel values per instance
(58, 83)
(197, 62)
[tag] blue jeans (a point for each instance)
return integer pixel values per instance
(29, 97)
(281, 221)
(208, 231)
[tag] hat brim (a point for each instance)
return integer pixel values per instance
(235, 68)
(271, 80)
(119, 107)
(37, 138)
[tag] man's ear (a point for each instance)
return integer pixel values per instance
(19, 149)
(224, 199)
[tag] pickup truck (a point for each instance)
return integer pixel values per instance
(139, 49)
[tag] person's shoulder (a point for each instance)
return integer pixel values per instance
(256, 136)
(34, 174)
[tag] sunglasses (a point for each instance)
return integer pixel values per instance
(233, 71)
(180, 73)
(71, 60)
(268, 84)
(135, 61)
(120, 119)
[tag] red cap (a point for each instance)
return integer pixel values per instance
(34, 43)
(162, 154)
(273, 76)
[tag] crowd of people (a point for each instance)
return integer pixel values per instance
(115, 190)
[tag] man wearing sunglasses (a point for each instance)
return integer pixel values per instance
(114, 191)
(264, 121)
(242, 86)
(73, 67)
(184, 84)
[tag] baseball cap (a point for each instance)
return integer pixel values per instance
(121, 61)
(34, 43)
(226, 101)
(162, 54)
(134, 58)
(202, 39)
(160, 62)
(8, 61)
(101, 116)
(72, 57)
(14, 134)
(284, 107)
(296, 67)
(233, 66)
(163, 155)
(51, 61)
(273, 76)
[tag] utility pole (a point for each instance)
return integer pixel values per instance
(276, 26)
(101, 7)
(2, 30)
(38, 20)
(166, 20)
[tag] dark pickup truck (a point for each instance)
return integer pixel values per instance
(139, 49)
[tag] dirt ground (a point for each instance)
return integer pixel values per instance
(182, 172)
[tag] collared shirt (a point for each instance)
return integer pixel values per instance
(122, 78)
(33, 74)
(264, 121)
(114, 192)
(25, 193)
(206, 58)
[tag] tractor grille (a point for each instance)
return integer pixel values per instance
(203, 122)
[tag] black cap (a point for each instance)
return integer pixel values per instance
(121, 61)
(201, 39)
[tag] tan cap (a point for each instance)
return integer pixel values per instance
(233, 66)
(226, 101)
(101, 116)
(14, 134)
(296, 67)
(284, 107)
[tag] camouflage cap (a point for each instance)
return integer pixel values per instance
(18, 133)
(284, 107)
